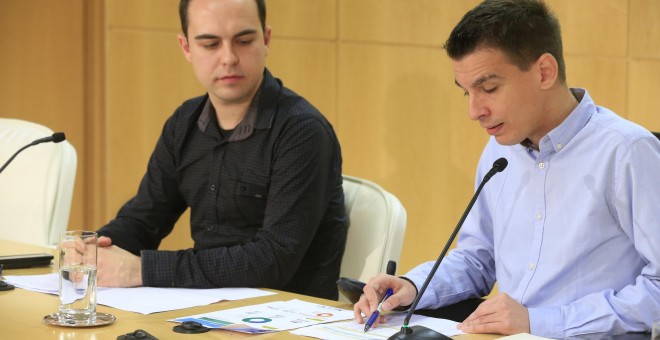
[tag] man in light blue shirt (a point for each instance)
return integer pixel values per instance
(570, 230)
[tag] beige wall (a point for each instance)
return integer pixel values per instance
(42, 72)
(376, 68)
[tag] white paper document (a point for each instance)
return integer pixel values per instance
(270, 317)
(353, 330)
(145, 300)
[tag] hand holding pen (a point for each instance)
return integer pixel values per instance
(379, 310)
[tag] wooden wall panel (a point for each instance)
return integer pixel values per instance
(603, 77)
(144, 14)
(593, 27)
(418, 22)
(41, 67)
(309, 68)
(147, 79)
(642, 93)
(397, 129)
(303, 18)
(644, 33)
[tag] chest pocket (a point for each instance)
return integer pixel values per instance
(250, 200)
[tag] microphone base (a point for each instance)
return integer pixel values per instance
(418, 332)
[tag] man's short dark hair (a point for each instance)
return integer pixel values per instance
(185, 4)
(522, 29)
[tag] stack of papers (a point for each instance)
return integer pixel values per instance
(145, 300)
(312, 320)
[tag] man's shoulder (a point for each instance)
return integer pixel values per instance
(190, 106)
(294, 104)
(287, 102)
(186, 113)
(613, 127)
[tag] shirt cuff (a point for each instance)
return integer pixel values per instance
(406, 308)
(428, 298)
(546, 322)
(158, 268)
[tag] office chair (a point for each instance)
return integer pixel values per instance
(377, 223)
(37, 187)
(657, 134)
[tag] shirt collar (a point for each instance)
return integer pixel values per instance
(561, 135)
(259, 114)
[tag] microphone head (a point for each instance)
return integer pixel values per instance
(500, 164)
(59, 136)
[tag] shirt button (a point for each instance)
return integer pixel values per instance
(539, 216)
(559, 146)
(213, 187)
(541, 165)
(210, 227)
(531, 266)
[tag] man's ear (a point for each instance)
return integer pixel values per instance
(548, 70)
(185, 47)
(267, 33)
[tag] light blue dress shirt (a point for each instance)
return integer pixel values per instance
(571, 231)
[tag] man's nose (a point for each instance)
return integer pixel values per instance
(476, 109)
(228, 56)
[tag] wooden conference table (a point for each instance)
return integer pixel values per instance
(22, 312)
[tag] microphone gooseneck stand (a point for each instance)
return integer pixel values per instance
(421, 332)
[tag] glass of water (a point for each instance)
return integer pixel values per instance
(78, 250)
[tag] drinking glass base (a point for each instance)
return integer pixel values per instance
(99, 320)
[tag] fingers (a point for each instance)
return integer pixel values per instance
(370, 299)
(360, 308)
(374, 291)
(71, 251)
(500, 314)
(105, 241)
(363, 307)
(118, 268)
(481, 320)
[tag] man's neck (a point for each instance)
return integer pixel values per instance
(228, 118)
(557, 111)
(229, 115)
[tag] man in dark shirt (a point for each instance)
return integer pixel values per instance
(258, 165)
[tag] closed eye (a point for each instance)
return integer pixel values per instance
(245, 41)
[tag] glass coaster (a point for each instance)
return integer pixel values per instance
(100, 320)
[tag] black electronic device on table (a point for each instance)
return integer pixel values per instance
(25, 260)
(352, 288)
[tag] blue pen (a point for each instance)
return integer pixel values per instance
(379, 310)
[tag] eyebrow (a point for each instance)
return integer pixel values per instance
(479, 81)
(213, 36)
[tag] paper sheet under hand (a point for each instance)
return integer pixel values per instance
(145, 300)
(392, 325)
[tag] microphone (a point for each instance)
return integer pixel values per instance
(55, 138)
(421, 332)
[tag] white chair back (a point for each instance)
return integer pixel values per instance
(37, 187)
(377, 223)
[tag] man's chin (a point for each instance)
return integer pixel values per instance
(231, 98)
(503, 140)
